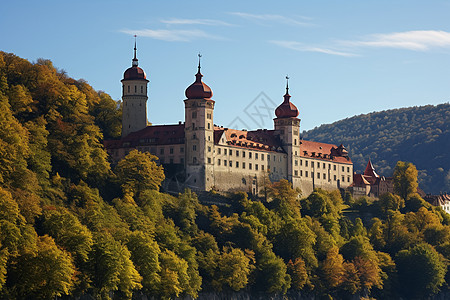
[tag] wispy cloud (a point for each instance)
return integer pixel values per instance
(260, 18)
(173, 35)
(306, 48)
(208, 22)
(419, 40)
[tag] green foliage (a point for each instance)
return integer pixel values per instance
(420, 271)
(70, 226)
(417, 134)
(405, 180)
(138, 171)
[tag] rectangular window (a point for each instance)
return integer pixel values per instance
(343, 179)
(237, 153)
(323, 165)
(301, 162)
(318, 165)
(306, 173)
(262, 167)
(225, 162)
(324, 176)
(209, 125)
(249, 155)
(209, 148)
(243, 153)
(208, 116)
(171, 150)
(256, 167)
(194, 147)
(296, 173)
(301, 173)
(262, 156)
(243, 165)
(334, 177)
(218, 150)
(334, 167)
(296, 162)
(306, 164)
(318, 175)
(348, 179)
(343, 170)
(237, 164)
(348, 169)
(209, 160)
(182, 149)
(231, 152)
(256, 155)
(218, 162)
(231, 163)
(225, 151)
(194, 115)
(161, 151)
(250, 166)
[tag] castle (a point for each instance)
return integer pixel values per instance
(203, 156)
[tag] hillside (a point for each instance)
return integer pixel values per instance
(72, 225)
(420, 135)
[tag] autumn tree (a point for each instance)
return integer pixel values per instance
(138, 171)
(405, 179)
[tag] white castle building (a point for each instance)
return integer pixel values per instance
(203, 156)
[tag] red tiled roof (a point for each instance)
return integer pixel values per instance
(322, 151)
(359, 180)
(150, 135)
(370, 170)
(264, 140)
(437, 200)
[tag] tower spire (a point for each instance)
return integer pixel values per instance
(134, 62)
(287, 96)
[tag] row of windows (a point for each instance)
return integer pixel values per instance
(171, 161)
(239, 164)
(318, 165)
(194, 115)
(243, 154)
(324, 175)
(162, 151)
(135, 89)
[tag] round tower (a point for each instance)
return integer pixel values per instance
(134, 98)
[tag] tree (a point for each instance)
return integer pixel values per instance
(332, 268)
(420, 270)
(285, 198)
(145, 255)
(44, 273)
(138, 171)
(299, 274)
(405, 179)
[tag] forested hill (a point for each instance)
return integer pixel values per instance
(420, 135)
(72, 225)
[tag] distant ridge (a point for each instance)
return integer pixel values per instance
(420, 135)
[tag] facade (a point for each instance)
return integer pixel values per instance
(203, 156)
(370, 183)
(442, 200)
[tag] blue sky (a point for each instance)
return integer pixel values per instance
(343, 57)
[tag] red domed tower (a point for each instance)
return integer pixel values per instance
(134, 98)
(287, 126)
(199, 134)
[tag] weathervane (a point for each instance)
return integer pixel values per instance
(287, 83)
(199, 56)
